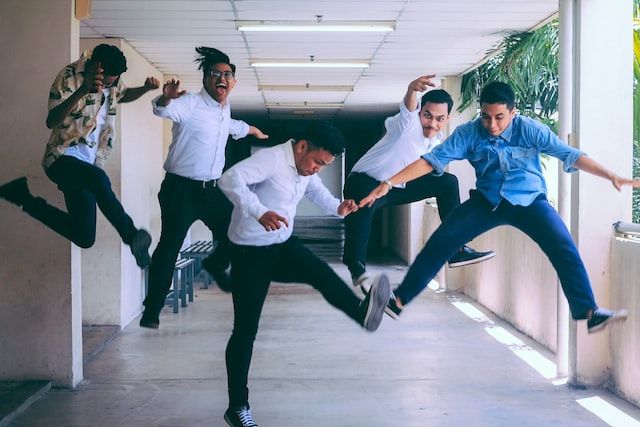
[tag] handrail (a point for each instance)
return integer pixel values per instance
(627, 229)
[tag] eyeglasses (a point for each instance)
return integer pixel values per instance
(217, 74)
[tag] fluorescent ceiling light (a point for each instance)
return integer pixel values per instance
(317, 26)
(308, 63)
(333, 105)
(306, 87)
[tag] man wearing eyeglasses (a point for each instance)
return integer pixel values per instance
(82, 111)
(201, 125)
(411, 133)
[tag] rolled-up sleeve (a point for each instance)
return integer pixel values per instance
(549, 143)
(455, 147)
(238, 129)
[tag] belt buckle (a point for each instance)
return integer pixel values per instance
(209, 184)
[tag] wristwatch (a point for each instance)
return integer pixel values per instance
(388, 182)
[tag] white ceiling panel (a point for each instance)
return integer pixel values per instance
(431, 36)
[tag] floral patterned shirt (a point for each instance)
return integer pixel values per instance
(79, 124)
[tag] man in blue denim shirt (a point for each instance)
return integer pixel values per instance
(504, 150)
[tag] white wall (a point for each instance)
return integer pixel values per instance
(40, 307)
(112, 282)
(625, 339)
(331, 176)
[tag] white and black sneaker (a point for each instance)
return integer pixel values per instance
(373, 305)
(239, 417)
(601, 318)
(467, 256)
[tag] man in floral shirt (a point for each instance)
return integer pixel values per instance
(82, 110)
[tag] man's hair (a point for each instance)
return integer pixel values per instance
(324, 135)
(111, 59)
(437, 96)
(210, 56)
(498, 93)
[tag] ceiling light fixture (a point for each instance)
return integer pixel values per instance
(296, 105)
(306, 87)
(312, 62)
(317, 26)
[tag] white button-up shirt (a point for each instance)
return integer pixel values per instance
(403, 144)
(201, 126)
(269, 181)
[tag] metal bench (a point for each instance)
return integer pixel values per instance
(183, 276)
(198, 251)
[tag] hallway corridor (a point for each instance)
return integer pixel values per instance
(313, 368)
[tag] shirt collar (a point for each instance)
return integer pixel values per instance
(288, 154)
(210, 101)
(506, 135)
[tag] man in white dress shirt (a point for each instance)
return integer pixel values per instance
(201, 125)
(409, 134)
(265, 190)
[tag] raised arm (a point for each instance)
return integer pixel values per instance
(418, 85)
(133, 93)
(587, 164)
(93, 83)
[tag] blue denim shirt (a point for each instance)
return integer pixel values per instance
(507, 166)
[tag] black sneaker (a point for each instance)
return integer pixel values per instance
(375, 302)
(602, 317)
(149, 320)
(221, 277)
(466, 256)
(140, 248)
(239, 417)
(16, 191)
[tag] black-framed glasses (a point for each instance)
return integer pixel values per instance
(217, 74)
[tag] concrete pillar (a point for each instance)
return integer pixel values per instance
(604, 106)
(112, 283)
(40, 308)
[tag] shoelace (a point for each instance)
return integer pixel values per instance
(245, 417)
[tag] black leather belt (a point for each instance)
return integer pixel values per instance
(194, 182)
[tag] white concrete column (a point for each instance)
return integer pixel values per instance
(604, 110)
(40, 307)
(565, 130)
(112, 282)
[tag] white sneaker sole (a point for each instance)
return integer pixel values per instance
(471, 261)
(379, 297)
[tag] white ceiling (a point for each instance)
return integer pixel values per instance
(443, 37)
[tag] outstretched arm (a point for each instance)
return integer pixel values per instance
(257, 133)
(133, 93)
(589, 165)
(415, 170)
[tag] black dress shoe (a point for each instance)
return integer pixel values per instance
(149, 320)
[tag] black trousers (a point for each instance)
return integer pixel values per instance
(358, 224)
(84, 185)
(252, 270)
(182, 202)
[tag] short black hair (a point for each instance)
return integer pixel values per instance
(498, 93)
(111, 59)
(210, 56)
(324, 135)
(437, 96)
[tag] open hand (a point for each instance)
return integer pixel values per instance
(346, 207)
(171, 89)
(378, 192)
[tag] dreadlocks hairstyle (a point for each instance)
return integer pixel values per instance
(209, 56)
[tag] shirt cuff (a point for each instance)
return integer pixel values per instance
(438, 168)
(570, 161)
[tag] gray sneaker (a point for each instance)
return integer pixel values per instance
(372, 307)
